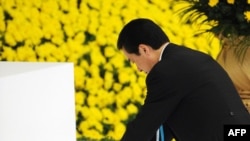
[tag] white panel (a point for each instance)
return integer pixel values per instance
(37, 102)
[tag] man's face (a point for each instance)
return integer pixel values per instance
(142, 61)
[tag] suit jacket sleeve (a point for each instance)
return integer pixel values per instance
(161, 100)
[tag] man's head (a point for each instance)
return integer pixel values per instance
(141, 40)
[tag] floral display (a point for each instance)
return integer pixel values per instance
(229, 20)
(108, 92)
(225, 17)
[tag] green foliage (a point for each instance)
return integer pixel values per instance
(224, 18)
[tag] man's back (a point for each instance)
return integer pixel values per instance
(207, 97)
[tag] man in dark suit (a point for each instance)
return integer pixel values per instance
(189, 95)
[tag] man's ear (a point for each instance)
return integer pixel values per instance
(144, 49)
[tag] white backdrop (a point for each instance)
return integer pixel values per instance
(37, 102)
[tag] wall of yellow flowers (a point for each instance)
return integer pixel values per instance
(108, 91)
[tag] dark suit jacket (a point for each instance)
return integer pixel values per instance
(191, 95)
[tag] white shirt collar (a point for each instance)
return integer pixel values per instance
(163, 48)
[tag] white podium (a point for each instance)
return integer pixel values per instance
(37, 102)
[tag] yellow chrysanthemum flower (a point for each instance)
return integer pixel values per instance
(91, 128)
(123, 96)
(96, 114)
(247, 15)
(105, 98)
(108, 116)
(117, 87)
(92, 100)
(9, 39)
(212, 3)
(79, 98)
(109, 51)
(122, 113)
(119, 129)
(230, 1)
(26, 53)
(132, 109)
(9, 54)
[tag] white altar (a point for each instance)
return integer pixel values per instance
(37, 101)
